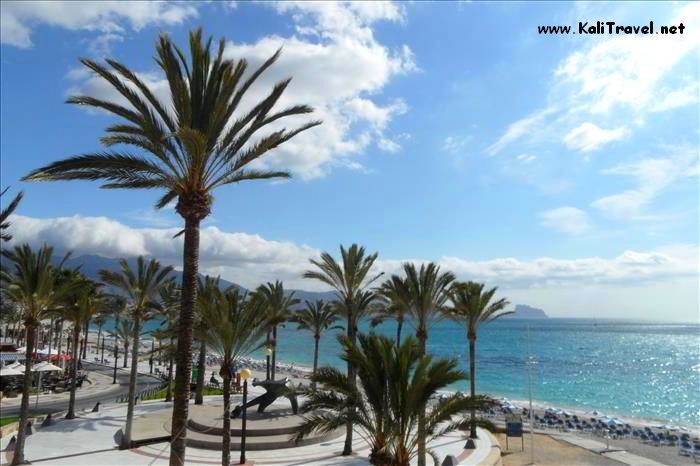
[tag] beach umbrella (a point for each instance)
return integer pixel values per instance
(45, 367)
(18, 366)
(9, 371)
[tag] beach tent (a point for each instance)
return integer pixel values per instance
(9, 371)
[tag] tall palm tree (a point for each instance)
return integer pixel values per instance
(471, 307)
(277, 305)
(32, 283)
(6, 212)
(78, 307)
(187, 146)
(100, 320)
(207, 290)
(317, 317)
(394, 303)
(350, 281)
(142, 289)
(236, 328)
(122, 332)
(426, 289)
(170, 301)
(396, 382)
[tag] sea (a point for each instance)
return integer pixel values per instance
(626, 368)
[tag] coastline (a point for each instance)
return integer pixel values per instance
(538, 404)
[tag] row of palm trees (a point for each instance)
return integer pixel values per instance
(420, 294)
(194, 142)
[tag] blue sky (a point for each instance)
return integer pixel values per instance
(563, 169)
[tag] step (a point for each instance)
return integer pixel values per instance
(205, 441)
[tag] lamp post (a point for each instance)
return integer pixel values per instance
(245, 375)
(268, 353)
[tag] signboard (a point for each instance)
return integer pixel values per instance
(514, 428)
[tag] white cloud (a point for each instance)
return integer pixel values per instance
(676, 98)
(454, 144)
(609, 80)
(338, 67)
(249, 259)
(526, 158)
(653, 176)
(520, 129)
(588, 137)
(18, 17)
(615, 72)
(569, 220)
(243, 258)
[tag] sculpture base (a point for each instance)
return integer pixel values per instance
(270, 430)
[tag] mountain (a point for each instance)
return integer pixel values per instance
(523, 311)
(91, 264)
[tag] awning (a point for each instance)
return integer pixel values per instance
(11, 356)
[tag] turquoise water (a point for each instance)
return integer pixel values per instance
(639, 369)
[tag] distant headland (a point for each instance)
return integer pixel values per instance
(523, 311)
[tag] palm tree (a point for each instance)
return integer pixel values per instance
(276, 304)
(317, 318)
(78, 307)
(350, 282)
(142, 288)
(100, 320)
(206, 295)
(394, 303)
(236, 328)
(123, 331)
(6, 212)
(186, 148)
(427, 291)
(396, 382)
(170, 298)
(34, 287)
(471, 307)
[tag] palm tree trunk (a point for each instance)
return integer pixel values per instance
(99, 335)
(226, 445)
(51, 326)
(267, 357)
(60, 343)
(274, 352)
(316, 340)
(126, 439)
(169, 390)
(421, 418)
(87, 336)
(184, 342)
(24, 407)
(399, 325)
(472, 382)
(126, 352)
(201, 369)
(347, 447)
(73, 371)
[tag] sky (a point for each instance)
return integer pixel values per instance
(562, 169)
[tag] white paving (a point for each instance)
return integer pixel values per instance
(90, 440)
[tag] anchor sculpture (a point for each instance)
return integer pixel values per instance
(274, 389)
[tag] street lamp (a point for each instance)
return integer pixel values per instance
(268, 353)
(245, 374)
